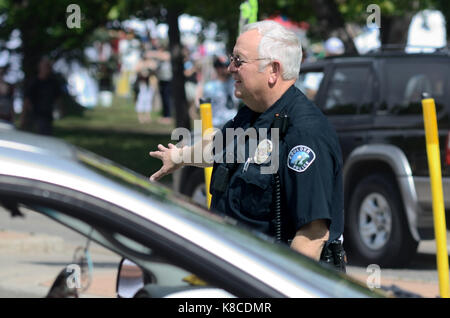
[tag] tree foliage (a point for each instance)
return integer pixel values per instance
(328, 17)
(43, 28)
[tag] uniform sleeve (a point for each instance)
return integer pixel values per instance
(308, 176)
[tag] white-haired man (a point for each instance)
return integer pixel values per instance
(302, 203)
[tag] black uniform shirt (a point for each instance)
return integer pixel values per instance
(310, 171)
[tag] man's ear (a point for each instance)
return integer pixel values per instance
(274, 72)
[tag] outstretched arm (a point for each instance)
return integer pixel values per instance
(174, 158)
(167, 156)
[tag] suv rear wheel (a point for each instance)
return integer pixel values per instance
(376, 229)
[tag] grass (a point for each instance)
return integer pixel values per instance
(121, 116)
(115, 133)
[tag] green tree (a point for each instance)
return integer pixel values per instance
(44, 31)
(395, 16)
(327, 17)
(323, 16)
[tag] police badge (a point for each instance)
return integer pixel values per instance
(300, 158)
(263, 151)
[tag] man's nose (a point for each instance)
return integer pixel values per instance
(231, 67)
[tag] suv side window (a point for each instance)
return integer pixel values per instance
(350, 91)
(309, 83)
(407, 80)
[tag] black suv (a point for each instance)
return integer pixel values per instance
(374, 103)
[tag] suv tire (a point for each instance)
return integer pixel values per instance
(376, 230)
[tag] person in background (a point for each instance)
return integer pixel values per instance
(105, 84)
(191, 70)
(144, 90)
(6, 99)
(333, 47)
(40, 98)
(221, 92)
(164, 75)
(143, 96)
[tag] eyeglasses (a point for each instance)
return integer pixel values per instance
(237, 61)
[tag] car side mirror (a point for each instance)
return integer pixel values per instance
(130, 279)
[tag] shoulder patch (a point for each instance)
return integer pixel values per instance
(300, 158)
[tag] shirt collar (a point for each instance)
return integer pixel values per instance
(265, 119)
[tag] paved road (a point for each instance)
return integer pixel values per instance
(420, 277)
(33, 252)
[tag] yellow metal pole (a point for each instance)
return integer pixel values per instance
(434, 163)
(206, 117)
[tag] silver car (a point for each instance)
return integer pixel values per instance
(164, 237)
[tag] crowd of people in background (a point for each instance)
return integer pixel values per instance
(144, 72)
(150, 77)
(138, 68)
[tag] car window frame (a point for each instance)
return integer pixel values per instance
(328, 79)
(88, 209)
(323, 67)
(412, 60)
(316, 69)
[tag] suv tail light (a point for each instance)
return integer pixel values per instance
(447, 151)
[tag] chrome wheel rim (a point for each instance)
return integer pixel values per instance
(375, 221)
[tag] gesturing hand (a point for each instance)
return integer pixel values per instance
(168, 157)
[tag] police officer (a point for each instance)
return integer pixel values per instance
(307, 187)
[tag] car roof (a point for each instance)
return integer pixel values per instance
(11, 138)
